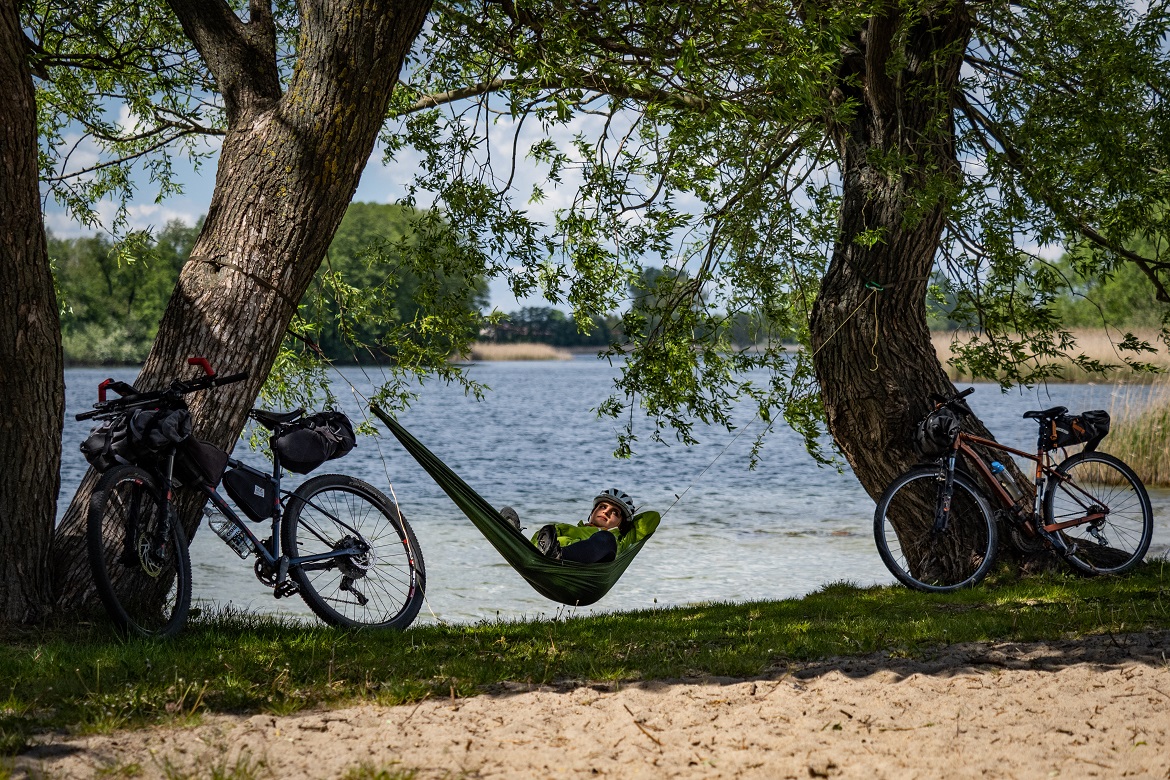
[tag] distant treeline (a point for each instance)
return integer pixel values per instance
(113, 295)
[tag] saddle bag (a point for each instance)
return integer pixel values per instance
(310, 441)
(1087, 428)
(254, 493)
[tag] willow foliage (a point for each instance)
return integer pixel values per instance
(696, 137)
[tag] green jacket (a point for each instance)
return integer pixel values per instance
(642, 526)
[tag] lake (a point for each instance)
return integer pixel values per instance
(782, 530)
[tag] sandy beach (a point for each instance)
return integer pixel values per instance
(1093, 707)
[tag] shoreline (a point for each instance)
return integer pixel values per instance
(1093, 706)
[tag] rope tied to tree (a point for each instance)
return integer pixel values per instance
(292, 305)
(874, 288)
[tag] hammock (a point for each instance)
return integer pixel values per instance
(576, 584)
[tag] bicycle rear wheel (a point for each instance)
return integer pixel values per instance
(1097, 483)
(140, 561)
(957, 557)
(381, 584)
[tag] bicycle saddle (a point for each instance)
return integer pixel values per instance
(272, 419)
(1046, 414)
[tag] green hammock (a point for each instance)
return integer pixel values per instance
(576, 584)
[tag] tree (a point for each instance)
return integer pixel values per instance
(366, 297)
(32, 387)
(304, 92)
(114, 293)
(840, 154)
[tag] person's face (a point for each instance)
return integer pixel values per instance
(606, 515)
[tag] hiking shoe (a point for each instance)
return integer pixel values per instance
(509, 514)
(546, 542)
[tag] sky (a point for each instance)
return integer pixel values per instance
(380, 183)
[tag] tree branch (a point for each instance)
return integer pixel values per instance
(241, 57)
(566, 80)
(1017, 161)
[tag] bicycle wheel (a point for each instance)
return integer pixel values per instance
(140, 561)
(1096, 483)
(920, 557)
(381, 585)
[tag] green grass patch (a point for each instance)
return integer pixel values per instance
(89, 680)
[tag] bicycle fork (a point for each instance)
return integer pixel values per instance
(946, 491)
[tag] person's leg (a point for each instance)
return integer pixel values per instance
(599, 548)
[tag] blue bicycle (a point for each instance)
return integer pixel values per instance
(336, 541)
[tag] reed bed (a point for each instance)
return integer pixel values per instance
(1093, 344)
(519, 351)
(1140, 433)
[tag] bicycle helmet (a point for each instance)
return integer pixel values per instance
(936, 433)
(618, 498)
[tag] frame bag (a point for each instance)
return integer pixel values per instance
(254, 493)
(310, 441)
(201, 461)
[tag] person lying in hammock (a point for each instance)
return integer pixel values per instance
(613, 511)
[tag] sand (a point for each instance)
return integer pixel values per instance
(1094, 707)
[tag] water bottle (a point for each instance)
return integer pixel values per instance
(1005, 479)
(231, 533)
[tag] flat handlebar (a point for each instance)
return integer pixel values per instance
(131, 399)
(954, 402)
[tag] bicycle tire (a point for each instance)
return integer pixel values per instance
(142, 574)
(1116, 543)
(383, 589)
(959, 557)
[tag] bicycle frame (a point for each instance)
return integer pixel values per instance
(1093, 509)
(274, 557)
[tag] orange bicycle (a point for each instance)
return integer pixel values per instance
(935, 527)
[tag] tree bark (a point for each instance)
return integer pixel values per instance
(288, 168)
(873, 355)
(32, 386)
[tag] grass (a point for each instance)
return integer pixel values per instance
(520, 351)
(1139, 434)
(85, 679)
(1094, 344)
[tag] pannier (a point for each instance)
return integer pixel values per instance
(310, 441)
(201, 461)
(1069, 429)
(254, 493)
(936, 433)
(135, 437)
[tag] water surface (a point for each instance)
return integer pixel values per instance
(782, 530)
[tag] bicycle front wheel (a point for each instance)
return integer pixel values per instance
(926, 559)
(368, 569)
(1106, 509)
(139, 558)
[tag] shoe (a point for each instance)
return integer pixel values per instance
(546, 542)
(509, 514)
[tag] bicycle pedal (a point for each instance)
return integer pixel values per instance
(286, 589)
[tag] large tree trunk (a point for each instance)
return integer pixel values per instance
(874, 358)
(287, 170)
(32, 386)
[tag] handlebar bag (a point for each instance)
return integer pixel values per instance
(1087, 427)
(936, 433)
(310, 441)
(108, 444)
(135, 437)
